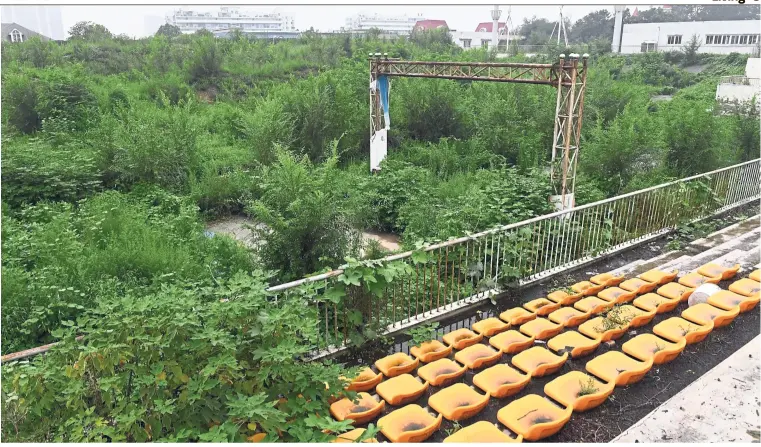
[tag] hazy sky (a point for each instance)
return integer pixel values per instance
(131, 20)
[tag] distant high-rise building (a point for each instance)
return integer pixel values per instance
(45, 20)
(398, 25)
(229, 18)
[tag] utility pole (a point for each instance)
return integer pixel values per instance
(495, 14)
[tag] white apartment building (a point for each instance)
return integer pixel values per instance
(397, 25)
(45, 20)
(228, 18)
(718, 37)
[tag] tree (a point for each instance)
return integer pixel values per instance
(595, 25)
(694, 13)
(690, 50)
(168, 30)
(89, 31)
(538, 31)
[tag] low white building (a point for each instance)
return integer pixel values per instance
(228, 18)
(394, 25)
(741, 88)
(718, 37)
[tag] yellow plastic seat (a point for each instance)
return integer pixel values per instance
(396, 364)
(365, 381)
(541, 306)
(517, 316)
(651, 347)
(462, 338)
(478, 356)
(568, 316)
(704, 313)
(541, 328)
(501, 381)
(593, 305)
(564, 298)
(579, 345)
(579, 391)
(654, 302)
(534, 417)
(714, 270)
(607, 279)
(745, 287)
(675, 329)
(636, 317)
(727, 300)
(587, 288)
(352, 436)
(480, 432)
(401, 390)
(615, 366)
(364, 410)
(659, 276)
(755, 275)
(511, 342)
(490, 326)
(695, 279)
(538, 361)
(616, 295)
(431, 351)
(675, 291)
(638, 286)
(409, 424)
(603, 329)
(458, 402)
(441, 372)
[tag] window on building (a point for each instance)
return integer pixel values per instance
(16, 36)
(675, 39)
(725, 40)
(709, 39)
(752, 39)
(734, 40)
(485, 43)
(744, 39)
(466, 43)
(647, 47)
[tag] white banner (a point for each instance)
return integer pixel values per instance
(378, 149)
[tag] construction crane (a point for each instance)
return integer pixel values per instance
(568, 75)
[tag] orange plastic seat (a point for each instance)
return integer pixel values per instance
(541, 306)
(538, 361)
(396, 364)
(587, 288)
(352, 436)
(430, 351)
(458, 402)
(745, 287)
(704, 313)
(615, 366)
(616, 295)
(517, 316)
(441, 372)
(659, 276)
(364, 410)
(755, 275)
(481, 432)
(603, 329)
(564, 298)
(607, 279)
(511, 342)
(409, 424)
(637, 317)
(579, 345)
(490, 326)
(675, 329)
(541, 328)
(534, 417)
(695, 279)
(675, 291)
(365, 381)
(654, 302)
(651, 347)
(568, 316)
(478, 356)
(401, 390)
(462, 338)
(727, 300)
(714, 270)
(501, 381)
(593, 305)
(579, 391)
(638, 286)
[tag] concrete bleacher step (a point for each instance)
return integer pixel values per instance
(750, 225)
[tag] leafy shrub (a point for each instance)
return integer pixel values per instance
(20, 103)
(206, 66)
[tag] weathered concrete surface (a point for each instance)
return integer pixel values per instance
(721, 406)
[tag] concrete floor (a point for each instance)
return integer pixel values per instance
(721, 406)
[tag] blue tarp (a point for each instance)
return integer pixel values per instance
(383, 88)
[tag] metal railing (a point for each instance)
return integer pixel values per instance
(466, 270)
(740, 80)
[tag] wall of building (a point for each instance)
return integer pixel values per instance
(477, 39)
(635, 34)
(399, 25)
(46, 20)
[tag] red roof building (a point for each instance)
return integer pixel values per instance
(487, 27)
(423, 25)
